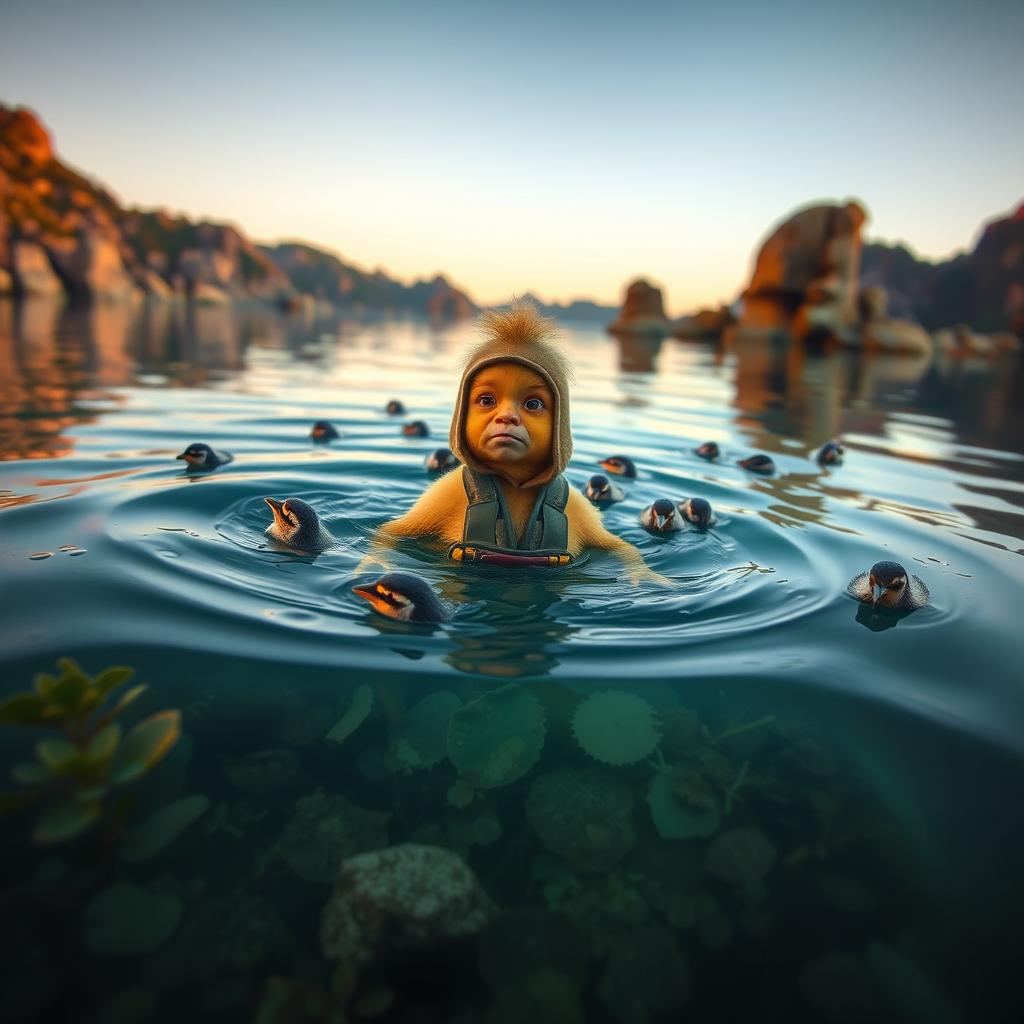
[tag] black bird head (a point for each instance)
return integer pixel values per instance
(698, 512)
(619, 465)
(198, 455)
(708, 450)
(395, 408)
(402, 596)
(440, 459)
(416, 428)
(295, 522)
(323, 431)
(888, 581)
(662, 516)
(758, 464)
(598, 487)
(831, 454)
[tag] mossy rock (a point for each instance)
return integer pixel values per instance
(675, 818)
(497, 738)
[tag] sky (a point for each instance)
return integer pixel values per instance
(561, 148)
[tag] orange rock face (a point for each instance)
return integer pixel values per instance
(24, 133)
(806, 275)
(642, 311)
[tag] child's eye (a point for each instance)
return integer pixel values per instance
(533, 404)
(485, 400)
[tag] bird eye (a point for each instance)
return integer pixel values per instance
(533, 405)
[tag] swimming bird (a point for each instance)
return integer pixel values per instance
(888, 585)
(758, 464)
(395, 408)
(619, 465)
(602, 491)
(708, 450)
(662, 516)
(440, 459)
(202, 456)
(416, 428)
(297, 525)
(697, 512)
(402, 596)
(831, 454)
(666, 516)
(324, 431)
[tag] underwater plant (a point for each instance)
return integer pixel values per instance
(77, 771)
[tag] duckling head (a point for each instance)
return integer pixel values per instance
(697, 511)
(417, 428)
(441, 459)
(620, 465)
(598, 488)
(395, 408)
(296, 524)
(199, 456)
(831, 454)
(661, 516)
(400, 595)
(758, 464)
(324, 431)
(887, 582)
(708, 450)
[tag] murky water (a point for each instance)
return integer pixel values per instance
(747, 796)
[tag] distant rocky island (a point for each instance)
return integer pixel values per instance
(62, 233)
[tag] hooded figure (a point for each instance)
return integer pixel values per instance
(510, 504)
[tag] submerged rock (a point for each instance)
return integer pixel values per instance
(407, 897)
(527, 939)
(583, 816)
(646, 977)
(326, 829)
(128, 920)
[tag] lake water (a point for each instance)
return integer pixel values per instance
(847, 786)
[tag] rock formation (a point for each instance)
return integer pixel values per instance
(983, 288)
(62, 233)
(643, 311)
(806, 275)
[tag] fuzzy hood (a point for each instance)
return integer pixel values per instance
(519, 335)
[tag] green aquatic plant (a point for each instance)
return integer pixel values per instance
(76, 771)
(616, 728)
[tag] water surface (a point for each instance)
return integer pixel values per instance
(876, 761)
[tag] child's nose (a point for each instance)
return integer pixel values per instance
(508, 412)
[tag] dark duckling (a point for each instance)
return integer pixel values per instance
(417, 428)
(662, 516)
(401, 596)
(297, 525)
(888, 585)
(758, 464)
(619, 465)
(708, 450)
(324, 431)
(203, 457)
(831, 454)
(697, 512)
(395, 408)
(440, 459)
(602, 491)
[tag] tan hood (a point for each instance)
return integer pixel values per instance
(518, 335)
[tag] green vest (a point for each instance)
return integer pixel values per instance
(489, 534)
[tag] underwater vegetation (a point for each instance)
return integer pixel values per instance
(78, 773)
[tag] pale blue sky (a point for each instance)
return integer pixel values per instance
(559, 148)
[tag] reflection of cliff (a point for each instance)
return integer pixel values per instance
(41, 380)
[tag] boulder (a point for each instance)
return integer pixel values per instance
(153, 284)
(643, 311)
(806, 274)
(410, 897)
(23, 132)
(704, 324)
(32, 272)
(91, 265)
(888, 335)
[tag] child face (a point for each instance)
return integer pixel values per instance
(509, 420)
